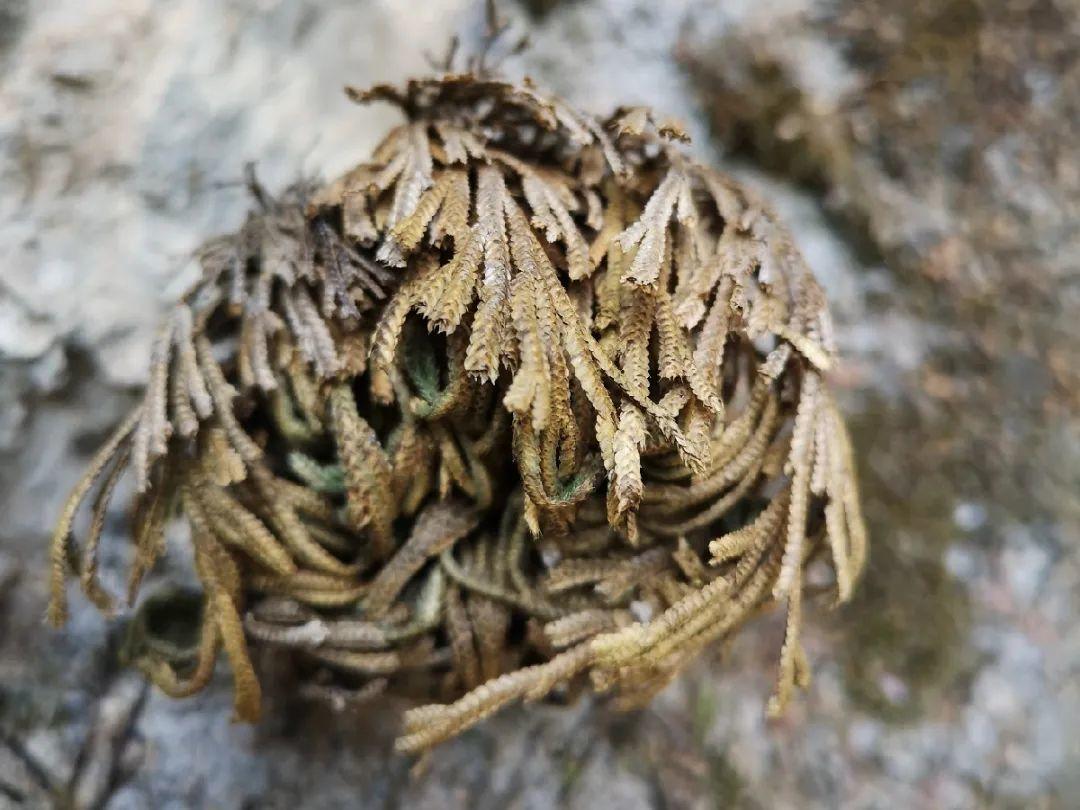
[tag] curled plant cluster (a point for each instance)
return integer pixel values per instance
(529, 401)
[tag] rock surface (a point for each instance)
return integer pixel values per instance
(922, 153)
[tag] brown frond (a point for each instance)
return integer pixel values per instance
(525, 398)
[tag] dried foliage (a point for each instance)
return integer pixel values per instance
(528, 401)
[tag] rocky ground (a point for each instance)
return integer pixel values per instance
(924, 153)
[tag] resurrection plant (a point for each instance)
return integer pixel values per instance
(529, 401)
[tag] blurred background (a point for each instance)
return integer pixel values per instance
(925, 153)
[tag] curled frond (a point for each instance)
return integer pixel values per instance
(527, 401)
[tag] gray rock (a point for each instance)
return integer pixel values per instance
(124, 128)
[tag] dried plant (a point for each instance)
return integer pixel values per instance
(528, 401)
